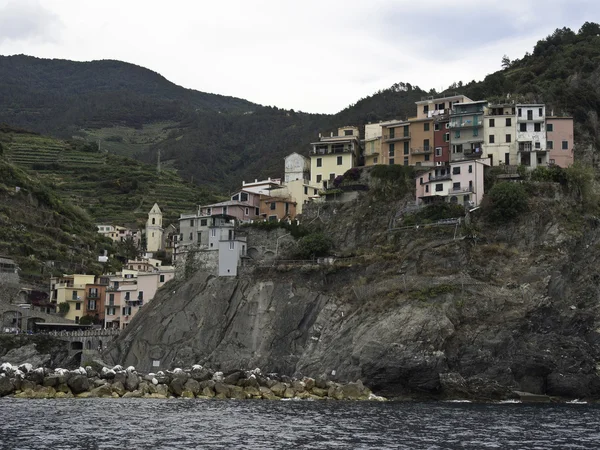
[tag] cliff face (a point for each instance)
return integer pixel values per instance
(475, 311)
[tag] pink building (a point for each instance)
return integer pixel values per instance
(461, 182)
(244, 205)
(559, 140)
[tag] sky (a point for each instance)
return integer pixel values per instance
(310, 55)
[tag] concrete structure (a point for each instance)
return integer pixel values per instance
(71, 289)
(154, 230)
(333, 156)
(231, 252)
(559, 140)
(297, 167)
(531, 135)
(395, 144)
(500, 129)
(466, 125)
(462, 182)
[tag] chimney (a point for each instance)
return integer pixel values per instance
(331, 134)
(320, 136)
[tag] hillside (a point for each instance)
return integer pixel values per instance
(110, 188)
(36, 226)
(218, 141)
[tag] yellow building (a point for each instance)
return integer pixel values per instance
(70, 289)
(395, 146)
(333, 156)
(299, 191)
(421, 139)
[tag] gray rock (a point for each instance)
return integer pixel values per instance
(118, 387)
(278, 389)
(193, 386)
(79, 384)
(132, 381)
(221, 388)
(234, 377)
(177, 386)
(51, 381)
(6, 386)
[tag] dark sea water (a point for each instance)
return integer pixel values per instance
(229, 424)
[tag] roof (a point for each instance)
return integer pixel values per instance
(438, 99)
(559, 118)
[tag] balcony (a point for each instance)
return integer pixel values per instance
(420, 151)
(331, 151)
(391, 137)
(93, 295)
(440, 178)
(530, 119)
(528, 148)
(460, 190)
(465, 124)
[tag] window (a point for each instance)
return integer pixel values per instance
(438, 151)
(492, 122)
(447, 137)
(530, 114)
(319, 178)
(392, 133)
(315, 191)
(78, 306)
(340, 160)
(76, 319)
(492, 137)
(426, 157)
(91, 305)
(391, 161)
(319, 162)
(141, 295)
(520, 112)
(199, 237)
(537, 127)
(541, 112)
(549, 127)
(405, 162)
(406, 148)
(565, 145)
(153, 221)
(550, 145)
(305, 190)
(436, 127)
(439, 187)
(457, 134)
(111, 299)
(224, 209)
(208, 211)
(203, 222)
(375, 160)
(348, 133)
(426, 145)
(427, 188)
(447, 125)
(127, 296)
(191, 236)
(523, 127)
(425, 109)
(426, 126)
(74, 295)
(456, 186)
(273, 206)
(236, 197)
(508, 122)
(246, 211)
(508, 138)
(538, 145)
(470, 168)
(406, 133)
(256, 211)
(213, 232)
(456, 170)
(192, 223)
(162, 278)
(244, 197)
(232, 245)
(392, 150)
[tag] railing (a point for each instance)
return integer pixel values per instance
(466, 124)
(331, 151)
(441, 177)
(394, 136)
(93, 295)
(420, 150)
(460, 190)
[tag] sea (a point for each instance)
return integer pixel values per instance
(229, 424)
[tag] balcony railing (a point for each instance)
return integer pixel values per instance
(330, 151)
(441, 177)
(460, 190)
(396, 137)
(530, 119)
(529, 149)
(465, 124)
(93, 295)
(420, 150)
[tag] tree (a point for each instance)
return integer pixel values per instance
(506, 62)
(505, 202)
(313, 245)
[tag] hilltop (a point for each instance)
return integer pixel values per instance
(110, 188)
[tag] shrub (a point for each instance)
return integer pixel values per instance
(63, 308)
(313, 245)
(505, 201)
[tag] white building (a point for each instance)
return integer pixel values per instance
(297, 167)
(154, 230)
(531, 135)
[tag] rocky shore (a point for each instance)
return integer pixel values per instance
(25, 381)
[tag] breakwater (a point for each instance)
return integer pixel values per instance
(25, 381)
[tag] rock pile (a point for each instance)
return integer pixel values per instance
(198, 382)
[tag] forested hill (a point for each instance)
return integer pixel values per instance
(220, 141)
(60, 96)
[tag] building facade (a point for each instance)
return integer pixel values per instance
(500, 126)
(333, 156)
(532, 150)
(297, 167)
(466, 130)
(560, 140)
(71, 289)
(395, 144)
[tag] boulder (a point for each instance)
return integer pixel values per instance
(121, 377)
(162, 389)
(64, 388)
(319, 392)
(201, 374)
(251, 382)
(177, 385)
(102, 391)
(354, 391)
(278, 389)
(86, 394)
(118, 388)
(221, 388)
(309, 383)
(298, 386)
(321, 382)
(144, 387)
(193, 386)
(132, 381)
(107, 374)
(237, 392)
(207, 383)
(267, 393)
(233, 377)
(289, 393)
(252, 391)
(60, 394)
(99, 382)
(27, 393)
(6, 386)
(79, 384)
(335, 392)
(187, 394)
(27, 384)
(50, 381)
(208, 392)
(90, 372)
(134, 394)
(36, 376)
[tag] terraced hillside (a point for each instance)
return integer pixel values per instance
(112, 189)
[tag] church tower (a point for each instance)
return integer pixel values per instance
(154, 230)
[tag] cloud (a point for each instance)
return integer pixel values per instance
(27, 20)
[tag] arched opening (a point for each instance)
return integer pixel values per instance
(88, 344)
(454, 199)
(253, 253)
(76, 359)
(76, 345)
(11, 320)
(153, 221)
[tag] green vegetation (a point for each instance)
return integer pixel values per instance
(433, 213)
(505, 202)
(392, 180)
(432, 292)
(63, 308)
(295, 230)
(313, 245)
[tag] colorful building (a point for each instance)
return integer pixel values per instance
(71, 289)
(334, 155)
(277, 208)
(466, 130)
(461, 182)
(560, 140)
(297, 191)
(500, 130)
(95, 294)
(421, 142)
(395, 144)
(532, 150)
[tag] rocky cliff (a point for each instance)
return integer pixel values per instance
(476, 310)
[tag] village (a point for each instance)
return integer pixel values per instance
(450, 143)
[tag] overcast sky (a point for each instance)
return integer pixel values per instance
(309, 55)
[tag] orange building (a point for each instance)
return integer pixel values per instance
(421, 140)
(277, 208)
(395, 145)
